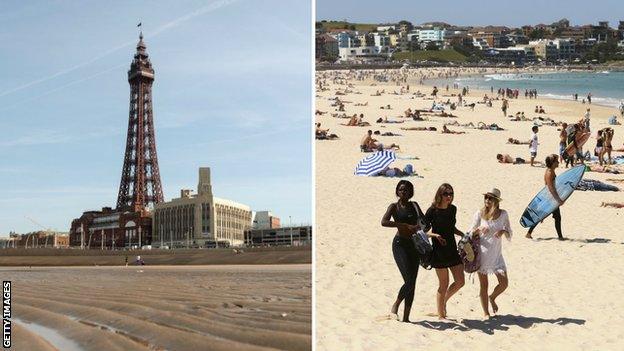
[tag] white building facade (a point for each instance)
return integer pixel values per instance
(200, 220)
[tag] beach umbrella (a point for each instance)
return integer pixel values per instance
(375, 163)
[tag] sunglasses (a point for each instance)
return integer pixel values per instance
(488, 197)
(447, 194)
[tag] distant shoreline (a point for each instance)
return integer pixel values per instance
(184, 257)
(397, 65)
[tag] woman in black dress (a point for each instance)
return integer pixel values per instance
(441, 216)
(407, 218)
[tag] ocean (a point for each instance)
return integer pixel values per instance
(607, 88)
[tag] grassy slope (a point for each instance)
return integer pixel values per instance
(345, 25)
(449, 55)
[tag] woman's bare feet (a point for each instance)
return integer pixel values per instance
(494, 305)
(528, 236)
(395, 307)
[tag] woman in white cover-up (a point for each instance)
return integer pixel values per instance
(491, 223)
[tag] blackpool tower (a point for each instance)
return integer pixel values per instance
(129, 224)
(140, 185)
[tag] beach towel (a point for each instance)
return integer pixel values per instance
(468, 247)
(595, 185)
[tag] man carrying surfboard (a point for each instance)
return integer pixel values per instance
(552, 162)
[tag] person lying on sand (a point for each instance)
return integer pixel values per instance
(492, 126)
(387, 107)
(444, 114)
(505, 158)
(386, 120)
(393, 172)
(361, 104)
(385, 133)
(445, 130)
(516, 142)
(431, 129)
(319, 113)
(612, 204)
(369, 144)
(604, 169)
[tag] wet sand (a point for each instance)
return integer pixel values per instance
(241, 307)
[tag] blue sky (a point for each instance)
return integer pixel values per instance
(477, 12)
(232, 92)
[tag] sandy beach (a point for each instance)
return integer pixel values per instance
(241, 307)
(561, 294)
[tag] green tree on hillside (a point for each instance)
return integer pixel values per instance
(537, 34)
(432, 46)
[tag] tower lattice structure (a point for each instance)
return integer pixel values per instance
(140, 184)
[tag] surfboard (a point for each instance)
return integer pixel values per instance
(543, 204)
(581, 139)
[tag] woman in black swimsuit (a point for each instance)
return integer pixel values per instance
(408, 219)
(599, 150)
(441, 215)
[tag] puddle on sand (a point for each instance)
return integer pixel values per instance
(50, 335)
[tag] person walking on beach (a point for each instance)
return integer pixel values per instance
(407, 217)
(504, 107)
(533, 144)
(563, 138)
(552, 161)
(441, 216)
(491, 223)
(608, 146)
(589, 96)
(586, 118)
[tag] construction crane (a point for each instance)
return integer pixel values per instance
(47, 232)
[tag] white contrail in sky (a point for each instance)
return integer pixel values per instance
(206, 9)
(63, 86)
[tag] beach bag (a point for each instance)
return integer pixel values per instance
(409, 169)
(468, 247)
(421, 240)
(423, 248)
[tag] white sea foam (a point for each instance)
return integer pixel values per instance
(505, 76)
(610, 102)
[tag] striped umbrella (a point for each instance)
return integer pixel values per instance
(375, 163)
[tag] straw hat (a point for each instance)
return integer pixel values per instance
(495, 193)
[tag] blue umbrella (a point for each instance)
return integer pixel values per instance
(375, 163)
